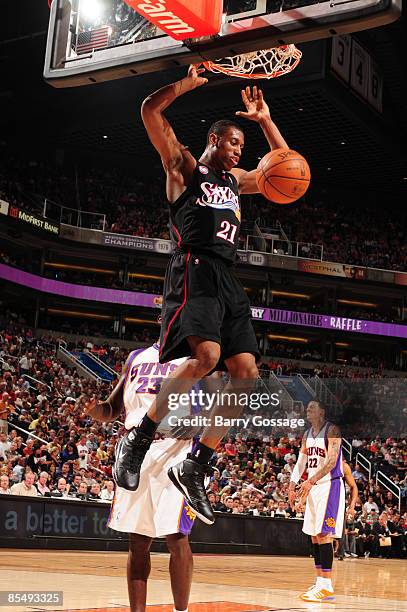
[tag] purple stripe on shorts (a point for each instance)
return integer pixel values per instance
(332, 507)
(337, 471)
(186, 519)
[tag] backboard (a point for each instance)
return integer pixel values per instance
(90, 41)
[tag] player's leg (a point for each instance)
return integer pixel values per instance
(239, 352)
(328, 512)
(189, 475)
(309, 527)
(243, 373)
(323, 589)
(317, 561)
(181, 568)
(133, 447)
(205, 355)
(138, 570)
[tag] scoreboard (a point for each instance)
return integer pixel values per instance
(354, 65)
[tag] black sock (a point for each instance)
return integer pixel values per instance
(317, 556)
(148, 426)
(326, 552)
(202, 454)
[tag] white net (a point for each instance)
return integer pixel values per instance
(263, 64)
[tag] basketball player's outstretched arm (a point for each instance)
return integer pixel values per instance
(178, 162)
(334, 446)
(257, 110)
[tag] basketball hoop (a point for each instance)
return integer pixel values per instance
(263, 64)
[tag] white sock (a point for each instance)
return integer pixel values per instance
(319, 581)
(326, 584)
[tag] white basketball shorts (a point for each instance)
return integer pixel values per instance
(325, 509)
(157, 508)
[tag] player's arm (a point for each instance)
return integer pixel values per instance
(110, 408)
(334, 446)
(298, 471)
(174, 155)
(351, 482)
(257, 110)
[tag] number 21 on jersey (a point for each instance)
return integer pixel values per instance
(228, 231)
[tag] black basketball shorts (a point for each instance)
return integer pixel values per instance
(202, 297)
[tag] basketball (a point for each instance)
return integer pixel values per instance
(283, 176)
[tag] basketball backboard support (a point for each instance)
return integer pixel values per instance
(91, 41)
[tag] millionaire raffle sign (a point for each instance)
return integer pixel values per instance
(150, 300)
(308, 319)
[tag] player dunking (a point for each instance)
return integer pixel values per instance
(206, 313)
(324, 492)
(157, 509)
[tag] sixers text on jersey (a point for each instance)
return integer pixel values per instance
(206, 217)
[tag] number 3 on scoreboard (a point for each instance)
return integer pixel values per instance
(228, 231)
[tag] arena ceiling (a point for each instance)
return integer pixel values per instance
(103, 121)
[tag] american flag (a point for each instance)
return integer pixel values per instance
(92, 39)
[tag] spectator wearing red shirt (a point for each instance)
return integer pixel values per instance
(230, 448)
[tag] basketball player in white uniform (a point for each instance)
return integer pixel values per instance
(157, 509)
(324, 493)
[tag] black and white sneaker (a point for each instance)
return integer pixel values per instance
(130, 453)
(189, 478)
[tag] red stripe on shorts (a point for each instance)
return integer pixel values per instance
(180, 307)
(178, 234)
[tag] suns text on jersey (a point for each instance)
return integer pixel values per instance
(315, 450)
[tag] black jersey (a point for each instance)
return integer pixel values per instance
(206, 217)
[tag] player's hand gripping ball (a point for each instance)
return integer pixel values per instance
(283, 176)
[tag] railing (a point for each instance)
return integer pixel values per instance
(27, 376)
(325, 395)
(26, 431)
(347, 448)
(286, 401)
(391, 486)
(364, 463)
(306, 384)
(305, 250)
(73, 216)
(101, 363)
(12, 368)
(78, 364)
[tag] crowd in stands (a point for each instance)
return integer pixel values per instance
(49, 446)
(335, 221)
(285, 358)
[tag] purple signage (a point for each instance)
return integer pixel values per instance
(150, 300)
(81, 292)
(307, 319)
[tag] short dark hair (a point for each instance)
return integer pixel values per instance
(220, 127)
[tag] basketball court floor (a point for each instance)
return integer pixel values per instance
(96, 582)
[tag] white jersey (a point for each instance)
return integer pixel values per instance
(317, 452)
(142, 382)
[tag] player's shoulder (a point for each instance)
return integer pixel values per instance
(139, 354)
(333, 430)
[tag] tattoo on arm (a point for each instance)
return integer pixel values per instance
(333, 451)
